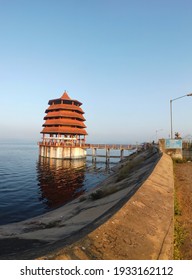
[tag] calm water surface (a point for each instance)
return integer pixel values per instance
(31, 185)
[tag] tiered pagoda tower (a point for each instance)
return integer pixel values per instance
(63, 130)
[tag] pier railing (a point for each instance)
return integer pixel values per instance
(110, 146)
(89, 146)
(93, 148)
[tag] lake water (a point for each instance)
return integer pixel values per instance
(31, 185)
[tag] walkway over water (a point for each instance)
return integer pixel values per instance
(108, 148)
(93, 147)
(89, 146)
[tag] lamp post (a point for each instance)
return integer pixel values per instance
(171, 101)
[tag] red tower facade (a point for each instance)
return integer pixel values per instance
(63, 127)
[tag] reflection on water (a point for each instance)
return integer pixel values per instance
(60, 181)
(31, 186)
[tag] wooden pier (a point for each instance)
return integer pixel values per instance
(52, 146)
(108, 148)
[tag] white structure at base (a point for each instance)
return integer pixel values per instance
(61, 152)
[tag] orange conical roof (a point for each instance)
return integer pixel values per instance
(65, 96)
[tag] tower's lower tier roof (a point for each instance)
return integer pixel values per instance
(64, 113)
(63, 130)
(64, 122)
(55, 107)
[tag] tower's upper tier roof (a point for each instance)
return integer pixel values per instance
(66, 99)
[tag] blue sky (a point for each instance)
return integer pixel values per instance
(124, 60)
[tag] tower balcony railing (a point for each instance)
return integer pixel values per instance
(79, 143)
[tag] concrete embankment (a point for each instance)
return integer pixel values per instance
(128, 216)
(141, 229)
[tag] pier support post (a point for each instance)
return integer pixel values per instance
(94, 154)
(122, 154)
(107, 154)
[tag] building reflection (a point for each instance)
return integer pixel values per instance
(60, 181)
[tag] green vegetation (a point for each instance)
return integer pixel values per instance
(177, 210)
(105, 191)
(126, 169)
(97, 194)
(123, 173)
(121, 178)
(179, 160)
(179, 237)
(52, 224)
(179, 232)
